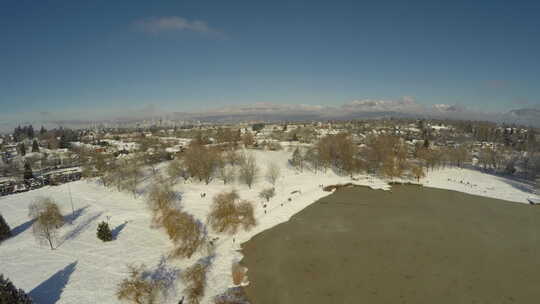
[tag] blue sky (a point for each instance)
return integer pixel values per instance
(193, 55)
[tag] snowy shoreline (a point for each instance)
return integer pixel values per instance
(100, 266)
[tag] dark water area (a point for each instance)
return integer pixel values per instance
(410, 245)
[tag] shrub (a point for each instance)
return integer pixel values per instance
(195, 281)
(227, 214)
(47, 219)
(138, 289)
(5, 231)
(9, 294)
(267, 193)
(104, 232)
(238, 273)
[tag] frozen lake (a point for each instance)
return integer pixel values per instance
(410, 245)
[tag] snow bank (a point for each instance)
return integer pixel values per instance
(478, 183)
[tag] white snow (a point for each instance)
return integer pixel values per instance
(478, 183)
(100, 266)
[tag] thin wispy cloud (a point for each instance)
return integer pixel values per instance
(173, 24)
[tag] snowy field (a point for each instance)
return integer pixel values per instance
(83, 269)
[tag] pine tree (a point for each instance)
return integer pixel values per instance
(30, 132)
(9, 294)
(64, 143)
(104, 232)
(5, 231)
(28, 174)
(42, 131)
(35, 146)
(22, 149)
(17, 134)
(426, 143)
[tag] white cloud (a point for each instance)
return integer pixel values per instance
(175, 24)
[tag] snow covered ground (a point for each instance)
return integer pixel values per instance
(85, 270)
(478, 183)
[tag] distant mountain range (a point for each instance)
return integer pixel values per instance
(405, 107)
(362, 109)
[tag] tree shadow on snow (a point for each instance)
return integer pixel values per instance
(21, 228)
(50, 290)
(70, 218)
(116, 231)
(82, 226)
(167, 275)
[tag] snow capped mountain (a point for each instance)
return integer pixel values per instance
(527, 116)
(443, 108)
(403, 104)
(525, 113)
(265, 111)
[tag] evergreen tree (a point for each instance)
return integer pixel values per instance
(5, 231)
(9, 294)
(426, 143)
(35, 146)
(64, 143)
(17, 134)
(30, 132)
(28, 174)
(22, 149)
(42, 131)
(104, 232)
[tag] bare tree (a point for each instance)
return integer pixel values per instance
(225, 172)
(176, 169)
(47, 219)
(248, 140)
(201, 161)
(248, 170)
(160, 199)
(104, 166)
(297, 160)
(312, 159)
(137, 288)
(195, 281)
(187, 234)
(418, 172)
(129, 176)
(273, 173)
(337, 151)
(267, 193)
(153, 158)
(228, 213)
(386, 155)
(232, 157)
